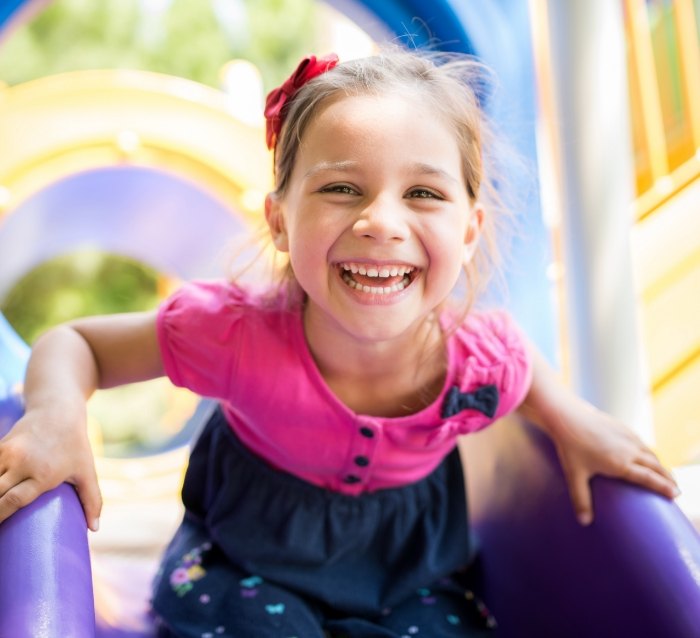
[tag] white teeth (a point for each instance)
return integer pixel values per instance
(377, 271)
(375, 290)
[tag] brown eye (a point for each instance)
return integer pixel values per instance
(342, 189)
(423, 193)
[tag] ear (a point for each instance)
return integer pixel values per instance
(274, 216)
(471, 237)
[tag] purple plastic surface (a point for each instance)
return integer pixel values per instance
(45, 578)
(634, 572)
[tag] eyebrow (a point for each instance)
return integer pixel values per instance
(429, 169)
(343, 165)
(347, 165)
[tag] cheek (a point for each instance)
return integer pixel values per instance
(448, 258)
(307, 254)
(314, 236)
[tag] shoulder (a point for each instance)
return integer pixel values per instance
(207, 330)
(219, 296)
(489, 336)
(211, 295)
(217, 307)
(489, 353)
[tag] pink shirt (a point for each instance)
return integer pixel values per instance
(221, 341)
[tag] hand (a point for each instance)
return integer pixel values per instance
(43, 450)
(590, 442)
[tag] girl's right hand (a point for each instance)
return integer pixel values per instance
(50, 445)
(44, 449)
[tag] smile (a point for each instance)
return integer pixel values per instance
(377, 280)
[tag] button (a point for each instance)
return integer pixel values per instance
(368, 432)
(351, 478)
(362, 461)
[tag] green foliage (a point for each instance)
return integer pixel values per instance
(76, 285)
(186, 40)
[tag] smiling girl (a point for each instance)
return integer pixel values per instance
(325, 497)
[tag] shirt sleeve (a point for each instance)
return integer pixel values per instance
(498, 355)
(198, 328)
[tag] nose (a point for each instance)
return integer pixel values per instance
(382, 220)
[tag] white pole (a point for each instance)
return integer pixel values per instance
(594, 163)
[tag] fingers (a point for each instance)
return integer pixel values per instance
(651, 461)
(580, 492)
(653, 479)
(90, 496)
(16, 496)
(17, 490)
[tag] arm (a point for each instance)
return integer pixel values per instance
(49, 444)
(589, 441)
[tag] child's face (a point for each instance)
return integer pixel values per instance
(377, 189)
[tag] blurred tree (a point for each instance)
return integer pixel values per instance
(83, 283)
(187, 38)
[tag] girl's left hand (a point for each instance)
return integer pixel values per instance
(591, 442)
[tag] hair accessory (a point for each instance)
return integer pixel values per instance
(308, 68)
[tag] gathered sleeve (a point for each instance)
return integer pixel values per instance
(494, 375)
(198, 330)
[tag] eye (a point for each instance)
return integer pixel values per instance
(423, 193)
(342, 189)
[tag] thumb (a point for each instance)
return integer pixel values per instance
(580, 492)
(90, 496)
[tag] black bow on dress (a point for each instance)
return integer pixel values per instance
(483, 399)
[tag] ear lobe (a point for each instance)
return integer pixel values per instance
(471, 237)
(276, 223)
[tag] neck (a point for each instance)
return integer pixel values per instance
(381, 378)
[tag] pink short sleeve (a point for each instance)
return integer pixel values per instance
(496, 355)
(198, 327)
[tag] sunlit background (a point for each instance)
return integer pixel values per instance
(185, 80)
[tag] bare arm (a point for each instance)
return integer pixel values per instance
(49, 444)
(589, 441)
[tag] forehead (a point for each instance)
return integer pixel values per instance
(403, 122)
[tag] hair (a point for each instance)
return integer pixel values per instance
(455, 85)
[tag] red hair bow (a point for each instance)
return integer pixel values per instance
(308, 68)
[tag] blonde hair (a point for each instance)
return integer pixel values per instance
(453, 84)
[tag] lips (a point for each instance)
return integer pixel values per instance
(378, 279)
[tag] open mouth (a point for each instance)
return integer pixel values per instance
(378, 280)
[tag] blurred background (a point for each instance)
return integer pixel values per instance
(132, 157)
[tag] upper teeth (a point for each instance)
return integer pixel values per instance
(377, 271)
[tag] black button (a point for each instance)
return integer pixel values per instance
(351, 478)
(368, 432)
(362, 461)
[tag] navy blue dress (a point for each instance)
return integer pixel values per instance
(264, 554)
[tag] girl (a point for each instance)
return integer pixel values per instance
(325, 496)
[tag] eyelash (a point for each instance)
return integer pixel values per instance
(344, 189)
(341, 189)
(424, 193)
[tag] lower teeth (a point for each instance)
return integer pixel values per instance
(376, 290)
